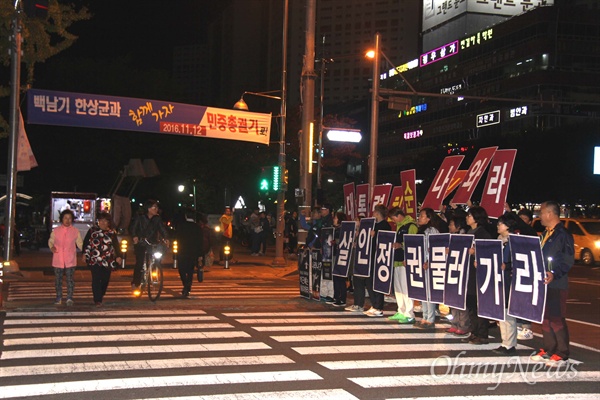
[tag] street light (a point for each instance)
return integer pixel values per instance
(279, 260)
(374, 116)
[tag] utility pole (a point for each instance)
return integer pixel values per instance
(11, 170)
(279, 260)
(308, 104)
(374, 117)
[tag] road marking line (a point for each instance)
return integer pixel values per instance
(132, 365)
(441, 362)
(111, 313)
(113, 329)
(125, 338)
(561, 396)
(8, 354)
(582, 322)
(473, 379)
(104, 320)
(337, 394)
(362, 336)
(320, 328)
(383, 348)
(18, 391)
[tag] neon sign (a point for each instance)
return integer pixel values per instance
(413, 110)
(487, 119)
(413, 134)
(445, 51)
(518, 112)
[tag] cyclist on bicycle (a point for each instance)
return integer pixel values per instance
(147, 227)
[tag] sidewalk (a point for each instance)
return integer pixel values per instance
(37, 265)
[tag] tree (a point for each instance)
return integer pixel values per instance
(42, 39)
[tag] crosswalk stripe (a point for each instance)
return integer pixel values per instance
(401, 348)
(362, 336)
(561, 396)
(361, 319)
(105, 320)
(114, 329)
(320, 328)
(99, 313)
(337, 394)
(472, 379)
(440, 362)
(7, 354)
(132, 365)
(18, 391)
(129, 338)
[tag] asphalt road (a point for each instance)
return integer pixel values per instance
(246, 334)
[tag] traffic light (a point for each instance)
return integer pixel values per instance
(263, 185)
(264, 180)
(285, 177)
(276, 178)
(36, 8)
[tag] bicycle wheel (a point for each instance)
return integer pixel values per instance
(155, 281)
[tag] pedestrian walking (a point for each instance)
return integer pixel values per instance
(64, 241)
(102, 254)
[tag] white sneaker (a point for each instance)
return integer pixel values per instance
(524, 334)
(418, 308)
(373, 312)
(354, 308)
(69, 302)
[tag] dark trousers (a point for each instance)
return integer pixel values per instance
(186, 273)
(339, 288)
(100, 279)
(479, 326)
(255, 239)
(359, 290)
(377, 299)
(554, 326)
(140, 254)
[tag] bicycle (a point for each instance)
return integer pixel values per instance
(152, 272)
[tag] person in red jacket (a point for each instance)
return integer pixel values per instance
(64, 241)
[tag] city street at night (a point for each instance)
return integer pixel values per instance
(245, 333)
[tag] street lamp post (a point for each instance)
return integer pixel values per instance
(374, 117)
(279, 260)
(11, 172)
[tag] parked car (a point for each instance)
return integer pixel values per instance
(586, 235)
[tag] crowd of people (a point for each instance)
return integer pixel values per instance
(102, 254)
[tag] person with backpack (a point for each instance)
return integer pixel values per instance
(102, 254)
(405, 224)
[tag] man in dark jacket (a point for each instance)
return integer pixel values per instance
(189, 240)
(147, 227)
(558, 251)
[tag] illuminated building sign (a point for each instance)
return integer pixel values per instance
(487, 119)
(437, 12)
(413, 110)
(518, 112)
(476, 38)
(413, 134)
(400, 69)
(451, 89)
(445, 51)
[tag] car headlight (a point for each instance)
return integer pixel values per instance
(597, 244)
(158, 255)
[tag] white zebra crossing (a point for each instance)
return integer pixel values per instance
(252, 350)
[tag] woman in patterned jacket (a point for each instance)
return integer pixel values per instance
(102, 254)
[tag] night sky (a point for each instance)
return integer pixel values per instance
(126, 50)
